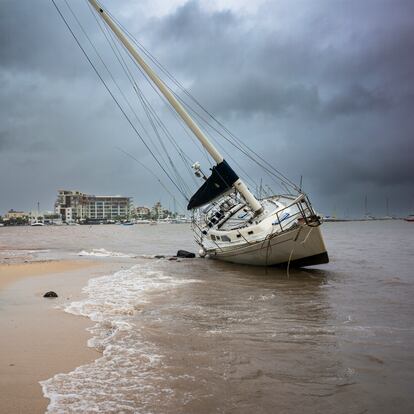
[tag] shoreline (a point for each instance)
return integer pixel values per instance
(37, 340)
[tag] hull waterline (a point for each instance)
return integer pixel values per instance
(303, 246)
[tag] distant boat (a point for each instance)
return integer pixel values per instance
(37, 220)
(128, 223)
(331, 219)
(409, 218)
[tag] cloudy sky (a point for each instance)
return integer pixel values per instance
(323, 89)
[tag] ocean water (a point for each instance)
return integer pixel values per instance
(200, 336)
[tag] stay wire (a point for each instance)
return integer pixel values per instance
(199, 116)
(275, 172)
(156, 132)
(113, 97)
(106, 33)
(147, 53)
(151, 172)
(183, 156)
(173, 112)
(104, 64)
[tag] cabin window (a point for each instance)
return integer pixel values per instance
(250, 232)
(238, 235)
(225, 238)
(213, 237)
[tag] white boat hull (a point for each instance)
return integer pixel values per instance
(302, 246)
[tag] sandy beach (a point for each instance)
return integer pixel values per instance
(11, 273)
(37, 340)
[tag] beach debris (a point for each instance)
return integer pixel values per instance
(172, 258)
(50, 294)
(159, 256)
(184, 254)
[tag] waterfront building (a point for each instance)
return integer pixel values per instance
(158, 211)
(13, 215)
(74, 206)
(142, 213)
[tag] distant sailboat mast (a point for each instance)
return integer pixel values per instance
(238, 184)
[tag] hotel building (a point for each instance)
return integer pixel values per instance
(74, 206)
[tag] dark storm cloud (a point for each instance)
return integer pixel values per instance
(335, 88)
(324, 89)
(357, 99)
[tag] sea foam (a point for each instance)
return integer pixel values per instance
(118, 381)
(103, 253)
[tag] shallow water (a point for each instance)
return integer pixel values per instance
(200, 336)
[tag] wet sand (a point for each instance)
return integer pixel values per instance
(37, 340)
(10, 273)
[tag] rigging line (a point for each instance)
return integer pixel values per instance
(138, 91)
(117, 57)
(125, 69)
(151, 120)
(112, 95)
(273, 176)
(183, 156)
(152, 117)
(279, 176)
(234, 137)
(151, 172)
(104, 64)
(274, 173)
(158, 64)
(173, 112)
(247, 177)
(156, 90)
(230, 157)
(171, 77)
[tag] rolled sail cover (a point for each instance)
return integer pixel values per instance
(220, 181)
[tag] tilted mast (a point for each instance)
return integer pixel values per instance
(239, 185)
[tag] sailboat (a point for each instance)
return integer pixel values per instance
(229, 222)
(37, 220)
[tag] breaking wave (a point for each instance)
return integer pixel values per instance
(115, 381)
(103, 253)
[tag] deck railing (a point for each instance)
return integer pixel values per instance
(286, 220)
